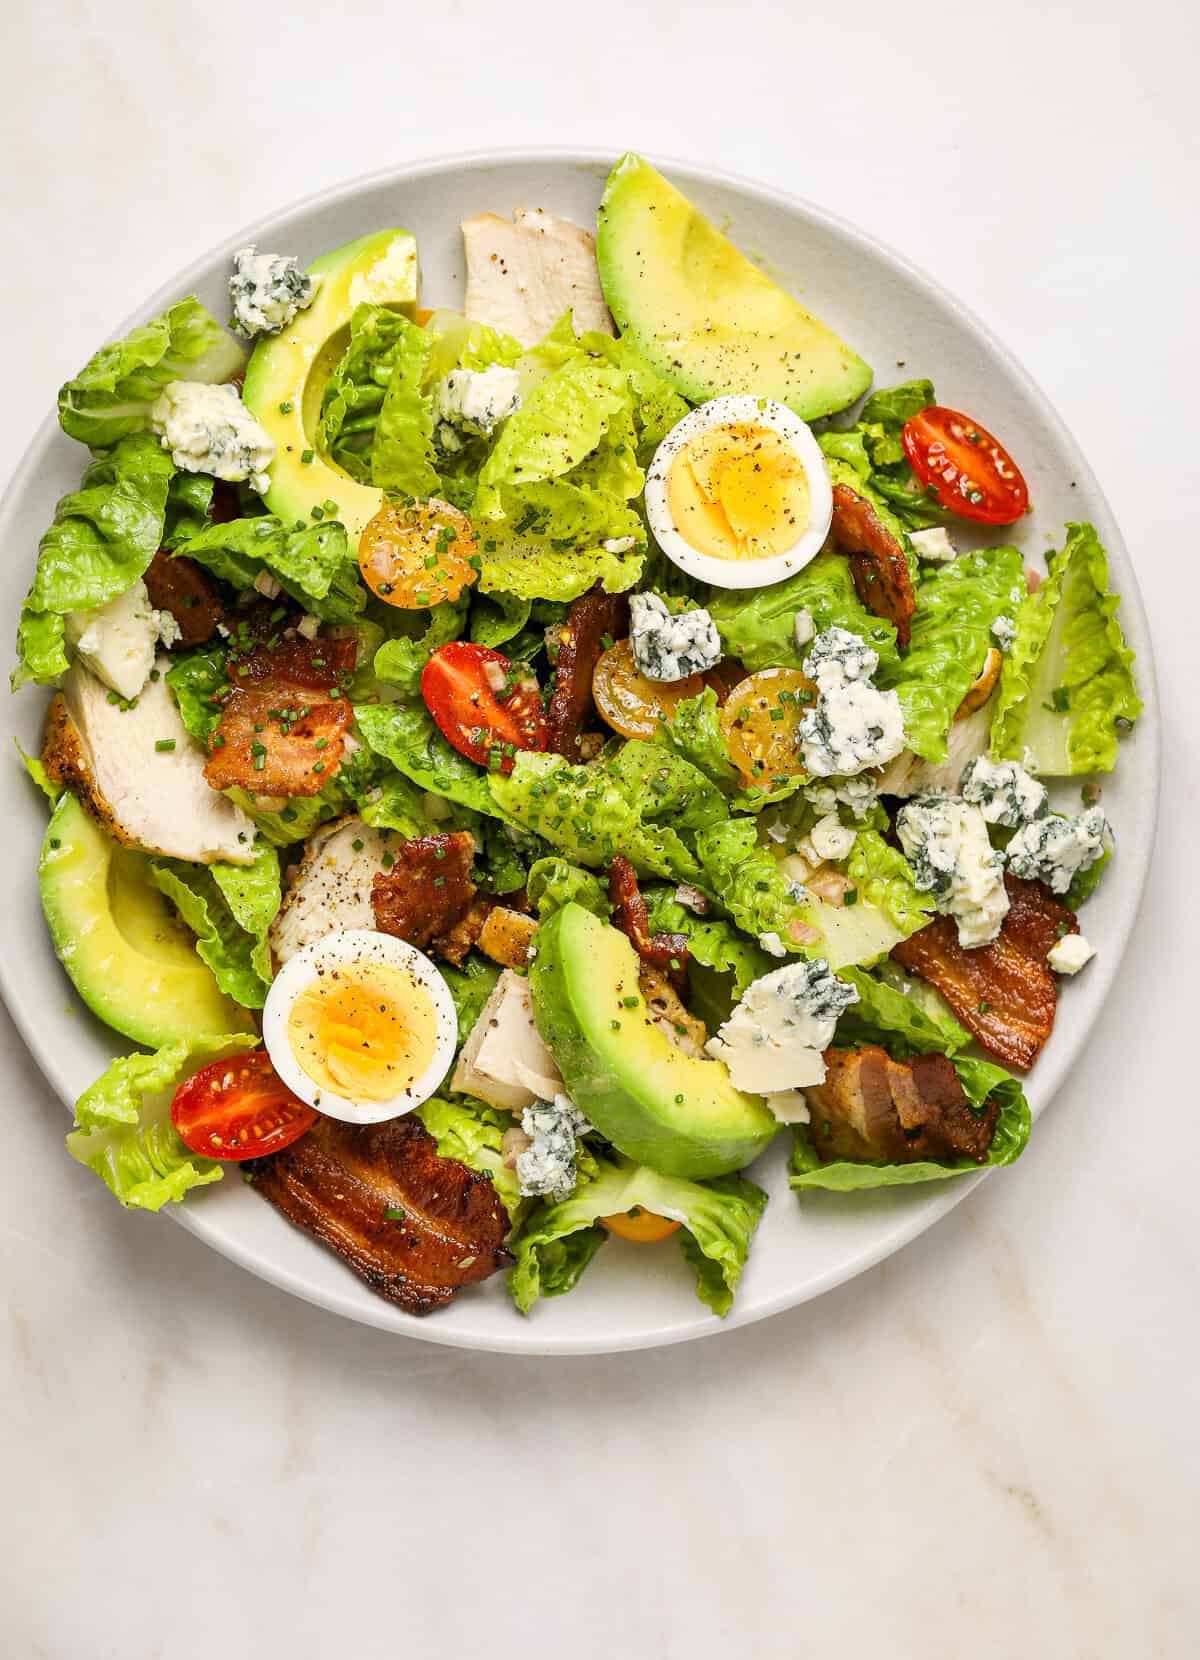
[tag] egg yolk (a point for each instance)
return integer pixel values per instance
(366, 1031)
(739, 492)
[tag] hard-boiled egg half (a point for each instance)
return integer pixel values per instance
(360, 1025)
(738, 494)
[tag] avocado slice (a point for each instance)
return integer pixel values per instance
(288, 372)
(706, 318)
(676, 1112)
(132, 961)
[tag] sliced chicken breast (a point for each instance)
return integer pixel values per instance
(909, 775)
(114, 756)
(504, 1060)
(522, 275)
(330, 888)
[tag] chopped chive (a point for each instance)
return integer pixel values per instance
(162, 745)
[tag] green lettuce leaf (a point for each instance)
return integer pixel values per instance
(497, 619)
(951, 635)
(980, 1080)
(747, 884)
(458, 343)
(719, 1218)
(189, 498)
(374, 418)
(409, 740)
(113, 394)
(1067, 689)
(553, 883)
(886, 908)
(315, 563)
(402, 454)
(873, 448)
(195, 679)
(515, 563)
(472, 1134)
(713, 942)
(470, 986)
(103, 537)
(899, 1020)
(123, 1124)
(399, 662)
(694, 732)
(229, 909)
(759, 626)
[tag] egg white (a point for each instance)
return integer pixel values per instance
(742, 409)
(348, 947)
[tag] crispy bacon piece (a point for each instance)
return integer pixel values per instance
(283, 718)
(871, 1108)
(668, 953)
(590, 618)
(428, 894)
(339, 1181)
(181, 587)
(877, 561)
(1003, 993)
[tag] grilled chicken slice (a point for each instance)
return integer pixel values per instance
(330, 888)
(179, 586)
(339, 1181)
(284, 718)
(873, 1109)
(504, 1060)
(524, 273)
(581, 641)
(1003, 993)
(146, 796)
(909, 775)
(877, 561)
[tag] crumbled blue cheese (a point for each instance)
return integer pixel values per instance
(946, 841)
(852, 727)
(774, 1038)
(667, 647)
(933, 545)
(1004, 632)
(266, 291)
(208, 429)
(1003, 791)
(475, 401)
(1070, 954)
(117, 641)
(547, 1167)
(859, 794)
(837, 657)
(1054, 850)
(805, 627)
(831, 839)
(773, 944)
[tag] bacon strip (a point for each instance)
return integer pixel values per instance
(338, 1182)
(668, 953)
(872, 1109)
(1003, 993)
(590, 618)
(428, 897)
(283, 718)
(179, 586)
(877, 561)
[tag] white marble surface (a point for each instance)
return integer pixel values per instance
(986, 1446)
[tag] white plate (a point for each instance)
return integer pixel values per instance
(631, 1297)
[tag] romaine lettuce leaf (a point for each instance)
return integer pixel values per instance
(470, 986)
(189, 498)
(759, 626)
(409, 740)
(694, 732)
(315, 564)
(123, 1123)
(980, 1080)
(497, 619)
(402, 454)
(873, 448)
(374, 419)
(103, 537)
(951, 635)
(713, 942)
(1067, 689)
(719, 1218)
(747, 884)
(229, 909)
(112, 394)
(516, 563)
(553, 883)
(472, 1134)
(901, 1022)
(458, 343)
(399, 661)
(882, 906)
(195, 679)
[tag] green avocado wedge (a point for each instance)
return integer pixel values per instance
(707, 318)
(288, 372)
(675, 1112)
(132, 961)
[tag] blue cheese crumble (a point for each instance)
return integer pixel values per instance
(208, 429)
(1069, 954)
(1004, 632)
(859, 794)
(773, 1040)
(852, 726)
(1003, 791)
(546, 1169)
(837, 657)
(266, 291)
(475, 401)
(946, 842)
(667, 647)
(1054, 850)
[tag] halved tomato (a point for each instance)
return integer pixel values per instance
(480, 707)
(239, 1109)
(414, 554)
(630, 703)
(759, 722)
(642, 1226)
(964, 468)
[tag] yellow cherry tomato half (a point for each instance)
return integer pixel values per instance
(759, 724)
(631, 704)
(642, 1226)
(414, 554)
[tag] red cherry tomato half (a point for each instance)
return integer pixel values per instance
(470, 693)
(239, 1109)
(964, 467)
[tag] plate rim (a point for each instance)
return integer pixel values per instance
(539, 1340)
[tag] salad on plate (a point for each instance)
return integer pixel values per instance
(510, 767)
